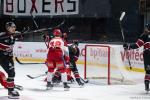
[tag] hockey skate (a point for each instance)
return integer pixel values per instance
(56, 80)
(13, 94)
(71, 80)
(49, 86)
(79, 82)
(66, 87)
(147, 87)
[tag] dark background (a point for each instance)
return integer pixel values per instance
(97, 21)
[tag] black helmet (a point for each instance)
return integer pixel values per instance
(147, 26)
(10, 24)
(76, 42)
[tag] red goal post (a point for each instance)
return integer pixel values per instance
(106, 49)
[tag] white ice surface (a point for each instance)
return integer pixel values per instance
(35, 89)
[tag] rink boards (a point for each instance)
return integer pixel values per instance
(37, 52)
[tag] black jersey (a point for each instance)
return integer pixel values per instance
(6, 43)
(73, 51)
(144, 40)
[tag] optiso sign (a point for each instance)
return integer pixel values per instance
(40, 7)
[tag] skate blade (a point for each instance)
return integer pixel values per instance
(66, 89)
(49, 88)
(13, 97)
(147, 92)
(81, 86)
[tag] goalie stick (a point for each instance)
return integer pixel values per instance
(22, 63)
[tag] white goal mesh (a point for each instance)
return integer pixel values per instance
(103, 66)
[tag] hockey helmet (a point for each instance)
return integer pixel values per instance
(147, 26)
(57, 32)
(76, 42)
(10, 24)
(65, 35)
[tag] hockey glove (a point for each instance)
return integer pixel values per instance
(75, 58)
(126, 46)
(9, 49)
(67, 61)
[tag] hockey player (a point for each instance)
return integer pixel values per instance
(144, 40)
(55, 59)
(74, 53)
(6, 57)
(68, 70)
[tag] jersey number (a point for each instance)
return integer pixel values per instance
(55, 44)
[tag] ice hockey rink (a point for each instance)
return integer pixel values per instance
(35, 89)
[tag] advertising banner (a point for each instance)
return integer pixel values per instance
(118, 57)
(40, 7)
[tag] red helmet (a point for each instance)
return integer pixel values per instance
(57, 32)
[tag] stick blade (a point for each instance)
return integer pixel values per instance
(30, 77)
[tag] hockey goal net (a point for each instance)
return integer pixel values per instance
(103, 66)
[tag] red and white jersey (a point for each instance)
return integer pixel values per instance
(58, 42)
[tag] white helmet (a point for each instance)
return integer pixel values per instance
(10, 24)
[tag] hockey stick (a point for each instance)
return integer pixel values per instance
(34, 31)
(17, 33)
(71, 28)
(83, 80)
(25, 63)
(33, 77)
(18, 87)
(50, 28)
(123, 36)
(120, 21)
